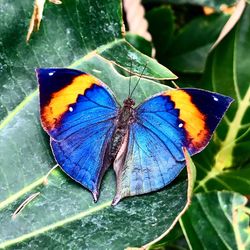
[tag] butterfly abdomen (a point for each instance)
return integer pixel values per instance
(125, 117)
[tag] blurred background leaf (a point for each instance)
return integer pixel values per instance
(185, 49)
(225, 164)
(161, 27)
(217, 220)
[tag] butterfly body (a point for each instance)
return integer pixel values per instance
(90, 131)
(126, 116)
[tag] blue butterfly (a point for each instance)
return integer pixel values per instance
(89, 131)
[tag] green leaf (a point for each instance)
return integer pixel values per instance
(64, 215)
(120, 52)
(189, 49)
(224, 164)
(161, 27)
(217, 220)
(64, 206)
(140, 43)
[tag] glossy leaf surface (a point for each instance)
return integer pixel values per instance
(64, 213)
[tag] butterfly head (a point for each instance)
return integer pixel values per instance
(129, 102)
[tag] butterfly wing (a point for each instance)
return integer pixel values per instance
(147, 165)
(184, 118)
(78, 111)
(152, 156)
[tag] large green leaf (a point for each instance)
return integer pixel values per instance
(225, 164)
(217, 220)
(187, 50)
(161, 27)
(64, 206)
(64, 215)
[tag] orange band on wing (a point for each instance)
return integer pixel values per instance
(194, 120)
(62, 99)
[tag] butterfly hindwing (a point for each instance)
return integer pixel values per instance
(164, 124)
(82, 154)
(78, 111)
(148, 165)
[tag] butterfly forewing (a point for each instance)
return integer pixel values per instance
(78, 111)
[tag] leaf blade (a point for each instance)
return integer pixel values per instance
(226, 73)
(219, 219)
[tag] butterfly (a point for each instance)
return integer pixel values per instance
(89, 131)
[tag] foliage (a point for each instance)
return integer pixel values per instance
(224, 164)
(88, 35)
(220, 216)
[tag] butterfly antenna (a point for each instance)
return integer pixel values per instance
(130, 74)
(138, 79)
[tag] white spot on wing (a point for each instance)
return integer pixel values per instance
(180, 125)
(71, 109)
(51, 73)
(215, 99)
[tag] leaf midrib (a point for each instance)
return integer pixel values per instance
(60, 223)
